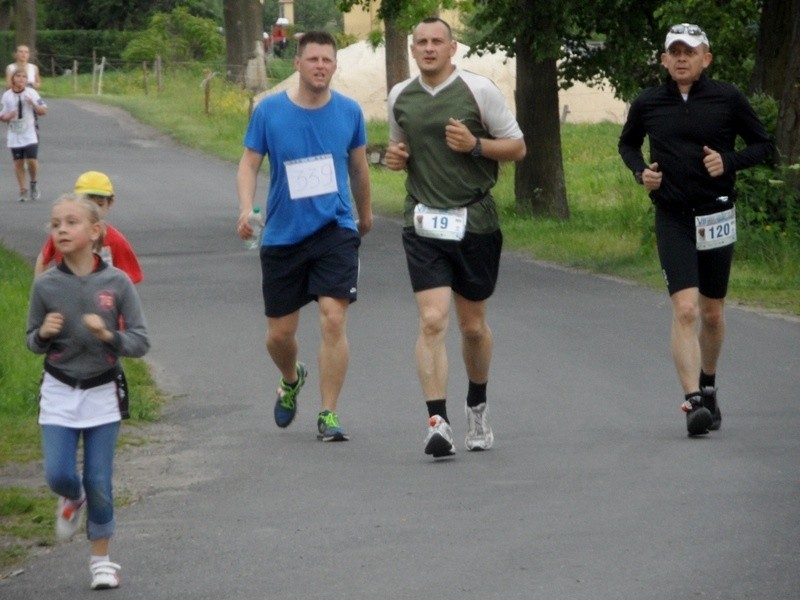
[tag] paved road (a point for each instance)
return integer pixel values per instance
(593, 491)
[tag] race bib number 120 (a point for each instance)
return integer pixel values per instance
(717, 230)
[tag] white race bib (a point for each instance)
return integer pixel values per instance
(17, 125)
(715, 231)
(440, 223)
(313, 176)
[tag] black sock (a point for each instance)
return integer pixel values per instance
(707, 380)
(437, 407)
(693, 395)
(476, 394)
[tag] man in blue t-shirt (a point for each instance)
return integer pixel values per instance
(315, 140)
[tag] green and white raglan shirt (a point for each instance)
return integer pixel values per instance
(437, 176)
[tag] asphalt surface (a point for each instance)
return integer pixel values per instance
(592, 491)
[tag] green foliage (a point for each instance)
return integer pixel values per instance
(318, 15)
(769, 198)
(632, 31)
(20, 370)
(118, 15)
(375, 38)
(344, 39)
(279, 69)
(177, 37)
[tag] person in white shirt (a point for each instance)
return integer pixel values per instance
(21, 61)
(21, 105)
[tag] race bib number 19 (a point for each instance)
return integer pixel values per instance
(717, 230)
(442, 224)
(313, 176)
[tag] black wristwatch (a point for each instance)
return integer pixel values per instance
(478, 149)
(638, 177)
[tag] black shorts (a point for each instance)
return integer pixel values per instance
(31, 151)
(324, 264)
(683, 265)
(470, 266)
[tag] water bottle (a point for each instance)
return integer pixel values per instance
(257, 225)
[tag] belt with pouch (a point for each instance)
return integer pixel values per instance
(83, 384)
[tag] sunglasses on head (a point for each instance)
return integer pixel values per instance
(686, 28)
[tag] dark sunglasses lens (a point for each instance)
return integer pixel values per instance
(690, 29)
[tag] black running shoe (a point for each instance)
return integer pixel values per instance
(698, 417)
(709, 395)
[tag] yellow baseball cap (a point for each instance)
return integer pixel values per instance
(94, 183)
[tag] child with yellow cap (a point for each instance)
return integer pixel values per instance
(116, 250)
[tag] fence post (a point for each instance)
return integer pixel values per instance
(144, 76)
(100, 77)
(206, 85)
(75, 76)
(94, 71)
(159, 86)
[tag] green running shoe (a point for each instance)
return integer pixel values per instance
(329, 428)
(286, 403)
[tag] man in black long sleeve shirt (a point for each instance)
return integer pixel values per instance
(692, 123)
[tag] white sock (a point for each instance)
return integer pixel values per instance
(97, 559)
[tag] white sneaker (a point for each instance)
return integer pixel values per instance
(105, 575)
(479, 432)
(439, 442)
(68, 517)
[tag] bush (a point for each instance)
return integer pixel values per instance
(769, 197)
(176, 37)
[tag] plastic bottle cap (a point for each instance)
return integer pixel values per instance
(256, 209)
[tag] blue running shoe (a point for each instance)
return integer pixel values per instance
(286, 403)
(329, 428)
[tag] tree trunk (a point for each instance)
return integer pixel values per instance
(787, 136)
(243, 30)
(26, 25)
(397, 69)
(774, 47)
(6, 17)
(539, 180)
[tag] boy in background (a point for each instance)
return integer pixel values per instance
(22, 105)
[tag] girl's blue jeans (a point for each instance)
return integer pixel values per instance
(60, 446)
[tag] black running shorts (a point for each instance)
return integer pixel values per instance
(470, 266)
(324, 264)
(26, 152)
(683, 265)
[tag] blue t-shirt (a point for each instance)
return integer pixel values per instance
(284, 131)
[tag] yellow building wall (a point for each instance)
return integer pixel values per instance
(286, 8)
